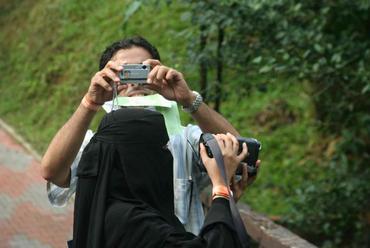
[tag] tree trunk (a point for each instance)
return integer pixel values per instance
(203, 69)
(218, 97)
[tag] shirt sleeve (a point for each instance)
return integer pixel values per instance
(58, 196)
(192, 135)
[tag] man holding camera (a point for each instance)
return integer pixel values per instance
(60, 161)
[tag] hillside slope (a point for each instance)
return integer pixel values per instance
(49, 51)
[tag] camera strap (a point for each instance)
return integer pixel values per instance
(114, 97)
(239, 225)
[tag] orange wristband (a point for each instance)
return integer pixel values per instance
(89, 104)
(221, 196)
(220, 191)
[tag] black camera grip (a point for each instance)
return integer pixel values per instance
(253, 145)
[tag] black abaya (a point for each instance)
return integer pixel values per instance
(124, 195)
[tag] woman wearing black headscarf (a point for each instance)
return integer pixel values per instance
(124, 196)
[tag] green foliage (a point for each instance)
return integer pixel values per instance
(341, 199)
(280, 117)
(328, 45)
(325, 43)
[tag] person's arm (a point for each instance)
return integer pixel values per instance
(218, 230)
(209, 120)
(171, 84)
(58, 158)
(56, 162)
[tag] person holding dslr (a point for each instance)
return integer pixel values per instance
(125, 195)
(60, 162)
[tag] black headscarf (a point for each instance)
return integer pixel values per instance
(131, 145)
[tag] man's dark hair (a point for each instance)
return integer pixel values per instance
(136, 41)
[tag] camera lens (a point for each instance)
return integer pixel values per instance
(144, 67)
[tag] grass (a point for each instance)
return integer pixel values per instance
(280, 117)
(47, 64)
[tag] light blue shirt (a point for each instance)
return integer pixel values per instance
(188, 179)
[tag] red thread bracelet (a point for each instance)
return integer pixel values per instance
(89, 104)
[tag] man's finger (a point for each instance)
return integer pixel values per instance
(113, 65)
(152, 75)
(99, 80)
(172, 75)
(161, 74)
(152, 62)
(121, 87)
(110, 74)
(153, 86)
(258, 164)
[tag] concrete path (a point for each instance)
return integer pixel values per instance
(26, 217)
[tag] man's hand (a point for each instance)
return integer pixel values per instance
(238, 187)
(100, 89)
(169, 82)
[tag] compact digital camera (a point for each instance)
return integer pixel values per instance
(134, 74)
(253, 145)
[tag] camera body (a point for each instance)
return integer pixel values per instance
(134, 74)
(253, 145)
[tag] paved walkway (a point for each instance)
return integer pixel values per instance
(26, 217)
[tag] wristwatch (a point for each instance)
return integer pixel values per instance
(195, 104)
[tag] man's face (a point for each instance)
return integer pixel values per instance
(134, 55)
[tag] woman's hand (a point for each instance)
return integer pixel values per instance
(229, 147)
(238, 186)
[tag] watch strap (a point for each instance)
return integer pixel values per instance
(195, 104)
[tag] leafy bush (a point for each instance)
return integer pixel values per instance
(324, 43)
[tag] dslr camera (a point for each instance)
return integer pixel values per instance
(134, 74)
(253, 145)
